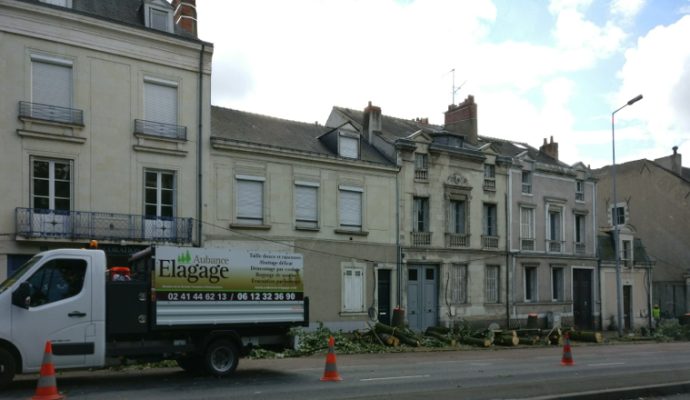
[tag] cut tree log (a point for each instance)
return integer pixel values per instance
(404, 337)
(443, 338)
(586, 336)
(390, 340)
(507, 340)
(482, 342)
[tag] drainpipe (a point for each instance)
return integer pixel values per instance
(508, 199)
(649, 296)
(398, 249)
(199, 147)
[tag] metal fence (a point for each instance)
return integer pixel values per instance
(47, 112)
(40, 223)
(160, 129)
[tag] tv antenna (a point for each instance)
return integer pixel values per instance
(456, 89)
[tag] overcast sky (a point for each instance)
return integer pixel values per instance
(537, 68)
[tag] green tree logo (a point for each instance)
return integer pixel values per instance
(184, 258)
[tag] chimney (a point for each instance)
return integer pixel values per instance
(672, 162)
(422, 121)
(185, 15)
(550, 149)
(462, 119)
(371, 121)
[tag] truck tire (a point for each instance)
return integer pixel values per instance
(8, 367)
(221, 357)
(191, 364)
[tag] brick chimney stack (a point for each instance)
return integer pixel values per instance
(185, 15)
(371, 121)
(462, 119)
(550, 149)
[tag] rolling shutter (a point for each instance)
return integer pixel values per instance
(305, 204)
(160, 103)
(51, 84)
(350, 208)
(250, 201)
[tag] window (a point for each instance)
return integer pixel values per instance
(51, 81)
(57, 280)
(350, 208)
(626, 253)
(527, 228)
(492, 284)
(526, 182)
(618, 215)
(489, 177)
(557, 285)
(159, 196)
(348, 146)
(458, 283)
(530, 283)
(158, 18)
(421, 214)
(160, 101)
(51, 184)
(554, 232)
(421, 166)
(457, 217)
(579, 190)
(306, 205)
(60, 3)
(353, 289)
(249, 200)
(490, 228)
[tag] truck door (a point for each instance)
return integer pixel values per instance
(59, 311)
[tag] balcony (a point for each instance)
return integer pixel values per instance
(579, 196)
(580, 248)
(490, 184)
(420, 239)
(160, 129)
(421, 174)
(554, 246)
(457, 240)
(527, 244)
(489, 242)
(45, 112)
(33, 223)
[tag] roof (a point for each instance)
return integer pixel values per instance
(275, 132)
(128, 12)
(606, 251)
(637, 165)
(391, 127)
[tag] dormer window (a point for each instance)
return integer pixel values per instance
(59, 3)
(348, 145)
(158, 16)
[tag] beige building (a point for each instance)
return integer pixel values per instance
(105, 107)
(323, 192)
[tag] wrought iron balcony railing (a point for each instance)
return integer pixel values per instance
(160, 129)
(527, 244)
(84, 225)
(420, 239)
(45, 112)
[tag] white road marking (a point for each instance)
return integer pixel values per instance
(395, 377)
(605, 364)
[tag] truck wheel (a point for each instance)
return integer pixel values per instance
(8, 367)
(221, 357)
(191, 364)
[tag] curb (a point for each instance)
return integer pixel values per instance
(623, 393)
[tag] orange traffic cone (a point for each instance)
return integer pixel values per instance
(331, 371)
(46, 389)
(567, 359)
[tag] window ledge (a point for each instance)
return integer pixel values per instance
(249, 226)
(307, 228)
(528, 194)
(51, 122)
(353, 314)
(351, 232)
(51, 136)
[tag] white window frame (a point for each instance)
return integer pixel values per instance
(579, 190)
(302, 220)
(149, 115)
(624, 214)
(341, 218)
(534, 295)
(459, 283)
(557, 286)
(250, 219)
(453, 216)
(342, 149)
(148, 8)
(353, 302)
(420, 204)
(56, 62)
(488, 283)
(627, 254)
(526, 186)
(582, 230)
(485, 220)
(159, 193)
(527, 228)
(51, 181)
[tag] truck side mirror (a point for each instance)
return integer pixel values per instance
(21, 297)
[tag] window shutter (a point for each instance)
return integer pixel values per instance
(160, 103)
(350, 208)
(51, 84)
(158, 19)
(305, 203)
(349, 147)
(250, 201)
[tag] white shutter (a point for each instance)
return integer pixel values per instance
(353, 281)
(160, 103)
(350, 208)
(349, 147)
(305, 204)
(158, 19)
(51, 84)
(526, 227)
(249, 202)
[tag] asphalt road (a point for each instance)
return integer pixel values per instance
(477, 374)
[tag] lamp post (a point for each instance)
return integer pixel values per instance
(614, 216)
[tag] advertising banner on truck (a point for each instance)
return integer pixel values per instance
(198, 274)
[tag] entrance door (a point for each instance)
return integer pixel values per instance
(422, 297)
(384, 296)
(582, 298)
(627, 306)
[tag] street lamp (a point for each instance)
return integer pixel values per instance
(614, 216)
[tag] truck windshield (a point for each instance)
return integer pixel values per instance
(18, 273)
